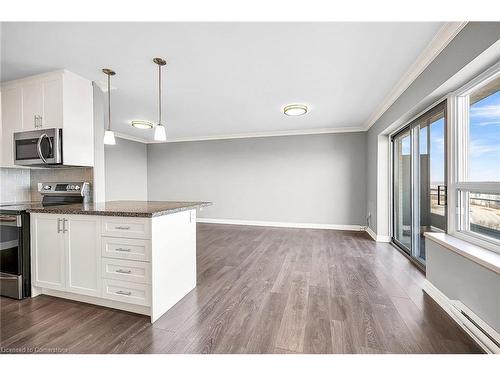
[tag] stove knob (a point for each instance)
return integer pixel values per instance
(71, 187)
(77, 187)
(46, 187)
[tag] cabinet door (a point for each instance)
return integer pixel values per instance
(32, 105)
(83, 264)
(12, 120)
(47, 247)
(53, 103)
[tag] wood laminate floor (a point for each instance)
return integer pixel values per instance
(260, 290)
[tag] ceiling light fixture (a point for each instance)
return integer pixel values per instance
(160, 132)
(142, 124)
(295, 110)
(109, 136)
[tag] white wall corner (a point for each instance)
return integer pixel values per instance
(383, 188)
(377, 238)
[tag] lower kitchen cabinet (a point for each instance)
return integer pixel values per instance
(82, 249)
(143, 265)
(66, 253)
(48, 256)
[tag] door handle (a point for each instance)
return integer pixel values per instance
(123, 271)
(39, 146)
(439, 195)
(123, 293)
(64, 225)
(58, 225)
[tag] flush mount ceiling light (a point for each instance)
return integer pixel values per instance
(295, 110)
(142, 124)
(109, 136)
(160, 132)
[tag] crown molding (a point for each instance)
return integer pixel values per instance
(442, 38)
(246, 135)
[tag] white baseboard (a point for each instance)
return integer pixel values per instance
(138, 309)
(281, 224)
(377, 237)
(454, 309)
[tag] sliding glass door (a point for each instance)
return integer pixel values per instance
(402, 191)
(419, 181)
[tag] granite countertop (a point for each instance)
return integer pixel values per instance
(121, 208)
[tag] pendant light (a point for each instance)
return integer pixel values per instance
(160, 132)
(109, 135)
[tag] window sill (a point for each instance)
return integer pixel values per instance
(484, 257)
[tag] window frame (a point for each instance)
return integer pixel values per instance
(458, 156)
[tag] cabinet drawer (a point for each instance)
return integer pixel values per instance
(123, 291)
(126, 227)
(126, 248)
(126, 270)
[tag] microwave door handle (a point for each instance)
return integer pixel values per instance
(39, 146)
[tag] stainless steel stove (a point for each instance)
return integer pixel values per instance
(15, 280)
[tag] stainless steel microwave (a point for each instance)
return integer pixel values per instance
(38, 147)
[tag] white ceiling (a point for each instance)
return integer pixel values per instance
(227, 78)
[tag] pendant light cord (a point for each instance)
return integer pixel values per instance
(109, 104)
(159, 94)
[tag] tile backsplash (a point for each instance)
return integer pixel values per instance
(21, 184)
(59, 175)
(14, 185)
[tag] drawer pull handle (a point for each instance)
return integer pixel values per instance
(123, 271)
(122, 227)
(123, 293)
(122, 249)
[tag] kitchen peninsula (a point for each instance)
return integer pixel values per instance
(138, 256)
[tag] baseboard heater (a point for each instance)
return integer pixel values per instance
(485, 334)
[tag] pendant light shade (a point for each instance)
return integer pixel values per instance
(109, 138)
(109, 135)
(160, 131)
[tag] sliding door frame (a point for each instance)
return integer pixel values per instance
(413, 126)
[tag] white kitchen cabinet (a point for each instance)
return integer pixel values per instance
(138, 264)
(83, 254)
(66, 253)
(32, 105)
(47, 252)
(12, 115)
(58, 99)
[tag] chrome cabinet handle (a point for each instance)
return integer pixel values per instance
(58, 225)
(122, 227)
(123, 271)
(37, 120)
(122, 249)
(123, 293)
(64, 225)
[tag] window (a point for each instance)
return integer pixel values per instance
(477, 161)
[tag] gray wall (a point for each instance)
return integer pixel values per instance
(474, 38)
(126, 171)
(458, 278)
(304, 179)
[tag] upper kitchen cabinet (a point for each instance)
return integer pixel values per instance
(59, 99)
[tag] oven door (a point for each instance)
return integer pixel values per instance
(11, 256)
(38, 147)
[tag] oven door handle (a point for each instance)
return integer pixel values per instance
(10, 220)
(39, 146)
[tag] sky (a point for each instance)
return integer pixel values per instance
(484, 142)
(484, 139)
